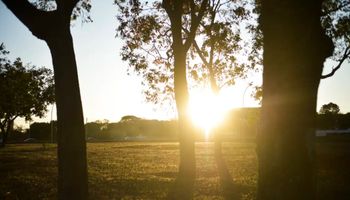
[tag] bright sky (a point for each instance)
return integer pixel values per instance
(107, 91)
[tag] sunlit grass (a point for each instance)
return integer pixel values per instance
(146, 170)
(125, 170)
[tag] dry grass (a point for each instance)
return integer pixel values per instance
(148, 171)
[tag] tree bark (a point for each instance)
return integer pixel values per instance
(295, 47)
(186, 135)
(72, 167)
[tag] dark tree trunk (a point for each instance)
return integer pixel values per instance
(295, 48)
(54, 28)
(6, 129)
(72, 167)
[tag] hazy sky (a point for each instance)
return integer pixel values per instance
(107, 91)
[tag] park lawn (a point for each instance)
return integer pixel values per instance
(147, 170)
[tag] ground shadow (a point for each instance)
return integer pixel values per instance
(230, 190)
(182, 188)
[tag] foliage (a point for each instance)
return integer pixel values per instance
(333, 121)
(336, 21)
(131, 129)
(26, 91)
(223, 43)
(146, 30)
(82, 9)
(330, 108)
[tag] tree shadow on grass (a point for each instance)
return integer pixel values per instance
(230, 189)
(182, 188)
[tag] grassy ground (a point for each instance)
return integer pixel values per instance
(148, 171)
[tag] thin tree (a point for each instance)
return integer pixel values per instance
(221, 50)
(154, 32)
(50, 21)
(295, 48)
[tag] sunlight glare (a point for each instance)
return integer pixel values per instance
(207, 110)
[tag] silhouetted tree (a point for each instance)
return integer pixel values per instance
(335, 19)
(330, 108)
(50, 20)
(220, 33)
(26, 91)
(154, 32)
(295, 48)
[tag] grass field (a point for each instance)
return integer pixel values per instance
(148, 170)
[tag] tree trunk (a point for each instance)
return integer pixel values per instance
(295, 48)
(6, 129)
(187, 167)
(2, 136)
(72, 167)
(186, 136)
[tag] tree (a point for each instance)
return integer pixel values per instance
(155, 30)
(335, 18)
(26, 91)
(49, 20)
(129, 118)
(222, 48)
(152, 34)
(293, 61)
(330, 108)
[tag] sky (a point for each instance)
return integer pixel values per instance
(107, 91)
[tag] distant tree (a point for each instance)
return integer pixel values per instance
(295, 48)
(129, 118)
(26, 91)
(330, 108)
(50, 20)
(42, 131)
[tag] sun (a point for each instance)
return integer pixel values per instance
(207, 110)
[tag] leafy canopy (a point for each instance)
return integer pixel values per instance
(26, 91)
(336, 21)
(146, 30)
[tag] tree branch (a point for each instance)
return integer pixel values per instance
(341, 6)
(200, 53)
(42, 24)
(37, 21)
(195, 23)
(334, 69)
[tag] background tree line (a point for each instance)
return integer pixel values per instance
(239, 123)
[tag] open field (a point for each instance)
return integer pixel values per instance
(136, 170)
